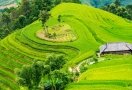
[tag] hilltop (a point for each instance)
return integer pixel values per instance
(91, 26)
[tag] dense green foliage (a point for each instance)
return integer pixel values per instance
(119, 10)
(22, 47)
(44, 74)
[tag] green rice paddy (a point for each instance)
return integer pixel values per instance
(92, 28)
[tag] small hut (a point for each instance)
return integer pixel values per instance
(116, 48)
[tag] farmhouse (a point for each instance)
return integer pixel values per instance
(116, 48)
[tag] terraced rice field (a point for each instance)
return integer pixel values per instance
(92, 27)
(114, 73)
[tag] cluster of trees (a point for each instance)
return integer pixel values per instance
(27, 11)
(118, 9)
(44, 74)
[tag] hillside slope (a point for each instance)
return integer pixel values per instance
(92, 26)
(113, 73)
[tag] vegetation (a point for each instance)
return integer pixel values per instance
(119, 10)
(45, 74)
(114, 72)
(25, 13)
(23, 47)
(61, 32)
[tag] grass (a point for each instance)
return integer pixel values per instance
(61, 32)
(112, 73)
(115, 68)
(92, 28)
(101, 85)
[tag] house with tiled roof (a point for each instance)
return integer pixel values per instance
(116, 48)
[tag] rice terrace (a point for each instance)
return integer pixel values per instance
(77, 37)
(64, 33)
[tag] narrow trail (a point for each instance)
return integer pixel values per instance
(88, 61)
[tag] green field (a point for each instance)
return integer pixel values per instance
(112, 73)
(92, 27)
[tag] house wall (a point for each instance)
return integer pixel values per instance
(117, 52)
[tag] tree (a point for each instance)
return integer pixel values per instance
(25, 8)
(22, 20)
(117, 3)
(47, 5)
(57, 80)
(16, 24)
(59, 18)
(6, 18)
(54, 34)
(24, 76)
(129, 9)
(40, 74)
(112, 8)
(44, 16)
(37, 72)
(56, 62)
(56, 2)
(30, 75)
(119, 10)
(76, 1)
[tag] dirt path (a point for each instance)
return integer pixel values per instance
(87, 61)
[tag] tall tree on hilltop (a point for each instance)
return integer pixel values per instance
(44, 16)
(129, 8)
(112, 8)
(117, 3)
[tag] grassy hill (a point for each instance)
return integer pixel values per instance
(91, 26)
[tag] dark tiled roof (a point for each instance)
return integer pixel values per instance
(115, 46)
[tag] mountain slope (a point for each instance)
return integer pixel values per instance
(92, 26)
(100, 3)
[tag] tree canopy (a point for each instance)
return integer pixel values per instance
(43, 73)
(119, 10)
